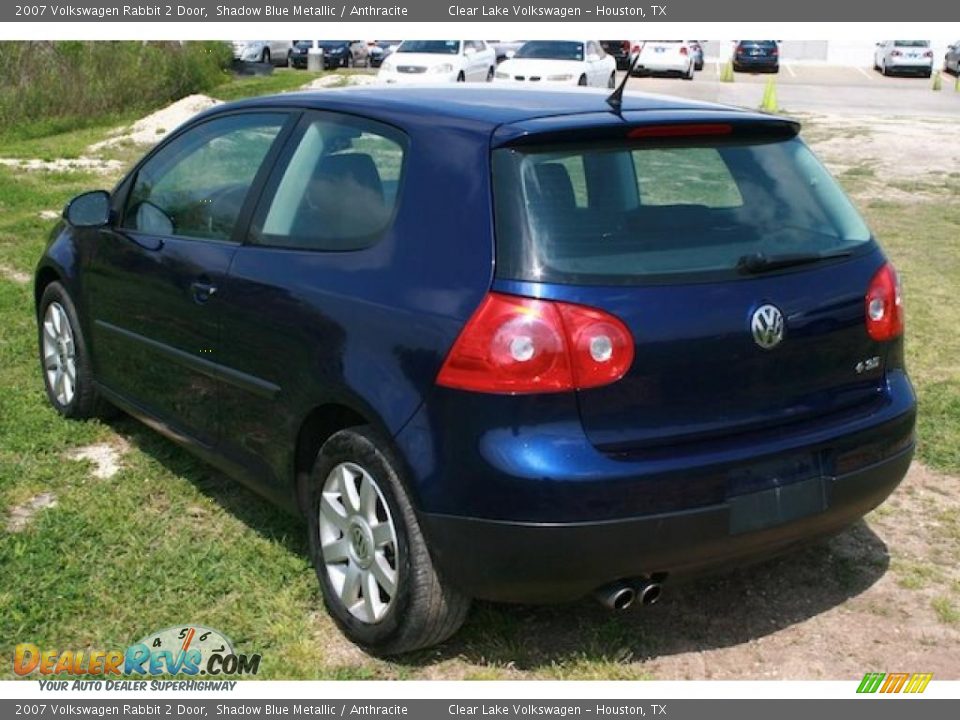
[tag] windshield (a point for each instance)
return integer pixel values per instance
(551, 50)
(912, 43)
(430, 47)
(333, 43)
(601, 215)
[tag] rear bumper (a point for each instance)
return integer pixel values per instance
(541, 562)
(518, 506)
(757, 63)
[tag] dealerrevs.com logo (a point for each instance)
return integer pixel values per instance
(187, 650)
(887, 683)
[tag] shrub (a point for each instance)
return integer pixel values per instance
(51, 85)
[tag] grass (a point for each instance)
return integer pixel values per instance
(281, 80)
(168, 540)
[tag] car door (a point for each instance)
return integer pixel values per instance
(595, 63)
(319, 239)
(154, 280)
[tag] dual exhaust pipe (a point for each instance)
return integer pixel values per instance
(623, 594)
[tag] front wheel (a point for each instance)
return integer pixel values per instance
(64, 360)
(378, 580)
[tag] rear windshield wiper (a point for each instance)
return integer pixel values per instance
(760, 263)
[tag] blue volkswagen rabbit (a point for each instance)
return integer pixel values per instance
(493, 343)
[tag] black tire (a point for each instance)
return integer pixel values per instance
(265, 56)
(689, 74)
(348, 60)
(490, 73)
(928, 74)
(582, 82)
(698, 67)
(884, 71)
(461, 77)
(612, 82)
(425, 611)
(86, 402)
(289, 58)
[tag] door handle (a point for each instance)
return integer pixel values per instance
(202, 290)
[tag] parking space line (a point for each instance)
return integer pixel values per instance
(863, 72)
(789, 68)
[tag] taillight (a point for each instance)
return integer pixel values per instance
(884, 305)
(625, 46)
(683, 51)
(739, 51)
(896, 53)
(774, 52)
(928, 53)
(522, 345)
(636, 49)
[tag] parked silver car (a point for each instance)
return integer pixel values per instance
(276, 52)
(951, 61)
(904, 57)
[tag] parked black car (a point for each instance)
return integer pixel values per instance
(620, 50)
(336, 53)
(380, 50)
(756, 55)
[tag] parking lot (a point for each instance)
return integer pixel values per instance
(816, 88)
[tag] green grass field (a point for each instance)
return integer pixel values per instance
(167, 540)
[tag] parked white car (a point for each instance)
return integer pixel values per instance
(276, 52)
(904, 56)
(560, 62)
(664, 57)
(432, 61)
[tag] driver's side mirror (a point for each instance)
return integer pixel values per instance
(89, 210)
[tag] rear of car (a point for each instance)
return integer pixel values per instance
(619, 50)
(756, 55)
(690, 355)
(909, 57)
(663, 57)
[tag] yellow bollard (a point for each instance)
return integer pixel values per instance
(937, 82)
(726, 74)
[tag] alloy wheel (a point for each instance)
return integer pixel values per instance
(59, 354)
(358, 542)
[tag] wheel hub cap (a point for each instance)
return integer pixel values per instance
(59, 354)
(358, 542)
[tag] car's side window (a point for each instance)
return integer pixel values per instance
(338, 190)
(196, 185)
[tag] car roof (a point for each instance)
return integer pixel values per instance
(488, 105)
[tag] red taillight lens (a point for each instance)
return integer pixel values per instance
(739, 51)
(683, 51)
(774, 52)
(625, 46)
(636, 49)
(884, 305)
(522, 345)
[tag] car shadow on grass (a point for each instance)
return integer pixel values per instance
(255, 511)
(704, 614)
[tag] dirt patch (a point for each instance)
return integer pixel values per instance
(88, 164)
(106, 458)
(9, 273)
(154, 127)
(893, 159)
(19, 517)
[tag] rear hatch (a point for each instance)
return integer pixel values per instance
(690, 236)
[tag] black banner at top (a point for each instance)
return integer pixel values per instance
(467, 11)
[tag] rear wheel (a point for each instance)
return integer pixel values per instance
(582, 82)
(64, 360)
(461, 77)
(378, 579)
(490, 74)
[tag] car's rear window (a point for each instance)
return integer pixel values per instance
(613, 215)
(911, 43)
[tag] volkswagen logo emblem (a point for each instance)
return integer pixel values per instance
(767, 326)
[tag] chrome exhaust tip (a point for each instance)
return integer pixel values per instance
(616, 596)
(648, 592)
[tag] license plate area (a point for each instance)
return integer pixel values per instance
(777, 492)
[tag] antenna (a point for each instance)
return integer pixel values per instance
(615, 100)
